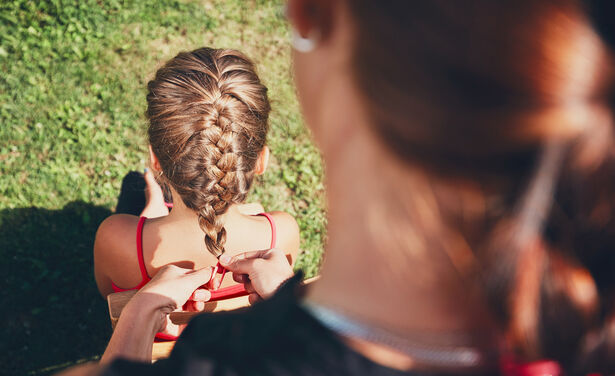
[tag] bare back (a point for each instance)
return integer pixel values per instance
(177, 239)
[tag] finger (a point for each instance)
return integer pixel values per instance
(172, 270)
(240, 278)
(226, 260)
(253, 298)
(249, 288)
(199, 277)
(201, 295)
(241, 266)
(172, 329)
(199, 306)
(164, 322)
(255, 254)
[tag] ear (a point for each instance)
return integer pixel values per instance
(262, 161)
(308, 16)
(153, 160)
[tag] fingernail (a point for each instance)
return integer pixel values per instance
(224, 259)
(201, 295)
(145, 170)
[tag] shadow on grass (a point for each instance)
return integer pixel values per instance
(53, 314)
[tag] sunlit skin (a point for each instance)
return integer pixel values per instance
(176, 238)
(365, 272)
(469, 185)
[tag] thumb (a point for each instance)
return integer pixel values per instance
(199, 277)
(226, 260)
(239, 264)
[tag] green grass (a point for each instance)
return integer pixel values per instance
(72, 97)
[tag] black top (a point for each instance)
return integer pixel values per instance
(274, 337)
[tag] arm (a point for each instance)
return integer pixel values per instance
(114, 250)
(134, 334)
(146, 314)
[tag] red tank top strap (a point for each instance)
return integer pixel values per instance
(144, 276)
(273, 228)
(160, 337)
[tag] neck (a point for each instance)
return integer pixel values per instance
(378, 268)
(181, 213)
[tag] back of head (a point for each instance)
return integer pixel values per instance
(516, 98)
(208, 120)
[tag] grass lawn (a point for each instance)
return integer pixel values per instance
(72, 97)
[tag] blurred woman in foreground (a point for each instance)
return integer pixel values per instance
(468, 149)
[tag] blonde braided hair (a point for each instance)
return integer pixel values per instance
(208, 120)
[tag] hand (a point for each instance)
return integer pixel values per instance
(172, 287)
(147, 312)
(261, 272)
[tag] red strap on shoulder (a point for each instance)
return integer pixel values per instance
(144, 276)
(273, 228)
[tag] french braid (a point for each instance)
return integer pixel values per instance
(208, 113)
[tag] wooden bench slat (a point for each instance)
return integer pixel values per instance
(162, 350)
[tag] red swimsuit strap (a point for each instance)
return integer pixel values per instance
(273, 228)
(144, 276)
(239, 290)
(219, 294)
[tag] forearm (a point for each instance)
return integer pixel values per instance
(135, 331)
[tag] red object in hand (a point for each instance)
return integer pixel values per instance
(228, 293)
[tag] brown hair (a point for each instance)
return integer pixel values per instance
(516, 97)
(208, 120)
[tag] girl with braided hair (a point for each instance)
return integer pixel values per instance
(469, 149)
(208, 121)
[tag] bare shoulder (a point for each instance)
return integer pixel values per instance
(251, 208)
(115, 230)
(287, 232)
(114, 250)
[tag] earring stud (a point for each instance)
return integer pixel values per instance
(302, 44)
